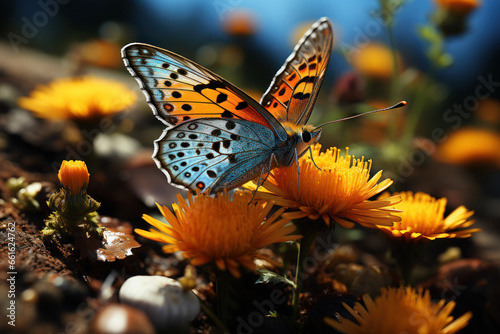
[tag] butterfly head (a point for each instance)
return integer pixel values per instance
(310, 136)
(302, 137)
(305, 135)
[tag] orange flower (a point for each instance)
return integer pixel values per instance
(74, 176)
(400, 310)
(225, 230)
(470, 146)
(97, 52)
(461, 7)
(489, 111)
(78, 98)
(340, 190)
(240, 23)
(374, 61)
(422, 217)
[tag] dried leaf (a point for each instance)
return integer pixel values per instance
(117, 242)
(267, 276)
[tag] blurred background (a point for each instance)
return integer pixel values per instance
(440, 56)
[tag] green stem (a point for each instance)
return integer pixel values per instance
(395, 63)
(406, 255)
(222, 291)
(304, 245)
(221, 328)
(395, 75)
(418, 105)
(417, 109)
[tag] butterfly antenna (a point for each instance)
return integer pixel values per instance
(397, 105)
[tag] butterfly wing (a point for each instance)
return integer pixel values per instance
(293, 91)
(210, 153)
(177, 89)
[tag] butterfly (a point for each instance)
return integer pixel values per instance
(216, 135)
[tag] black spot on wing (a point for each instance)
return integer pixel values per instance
(221, 98)
(301, 96)
(307, 79)
(211, 85)
(230, 125)
(227, 114)
(241, 105)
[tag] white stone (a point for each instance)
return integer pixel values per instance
(162, 299)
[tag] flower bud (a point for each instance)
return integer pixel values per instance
(74, 176)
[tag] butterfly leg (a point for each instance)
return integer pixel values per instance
(298, 170)
(312, 159)
(258, 184)
(260, 181)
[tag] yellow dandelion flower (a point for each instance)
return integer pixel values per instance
(225, 230)
(374, 61)
(411, 311)
(459, 6)
(81, 98)
(470, 146)
(422, 217)
(74, 176)
(339, 191)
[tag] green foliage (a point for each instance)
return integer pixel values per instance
(25, 194)
(435, 52)
(72, 212)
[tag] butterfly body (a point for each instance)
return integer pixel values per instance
(217, 136)
(201, 152)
